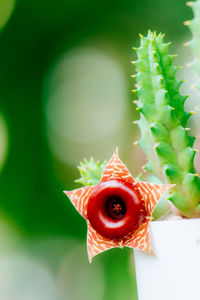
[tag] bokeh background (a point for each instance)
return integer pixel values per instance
(65, 95)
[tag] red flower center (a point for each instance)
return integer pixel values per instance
(115, 209)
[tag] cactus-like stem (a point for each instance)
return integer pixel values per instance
(194, 44)
(90, 171)
(163, 120)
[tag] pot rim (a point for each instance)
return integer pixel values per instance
(175, 221)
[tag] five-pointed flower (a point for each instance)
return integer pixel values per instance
(118, 209)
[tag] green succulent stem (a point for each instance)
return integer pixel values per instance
(194, 44)
(163, 121)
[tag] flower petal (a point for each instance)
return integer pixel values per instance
(140, 238)
(115, 169)
(97, 244)
(79, 198)
(151, 193)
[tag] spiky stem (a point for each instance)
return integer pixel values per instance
(163, 120)
(194, 44)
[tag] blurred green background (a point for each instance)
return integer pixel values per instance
(65, 94)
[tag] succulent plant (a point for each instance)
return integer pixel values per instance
(117, 207)
(163, 123)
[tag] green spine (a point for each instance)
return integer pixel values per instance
(163, 121)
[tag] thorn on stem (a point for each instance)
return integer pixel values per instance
(190, 3)
(186, 44)
(187, 23)
(144, 168)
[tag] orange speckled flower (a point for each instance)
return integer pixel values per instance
(118, 209)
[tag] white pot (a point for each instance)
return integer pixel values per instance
(174, 273)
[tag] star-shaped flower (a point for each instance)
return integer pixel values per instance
(118, 209)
